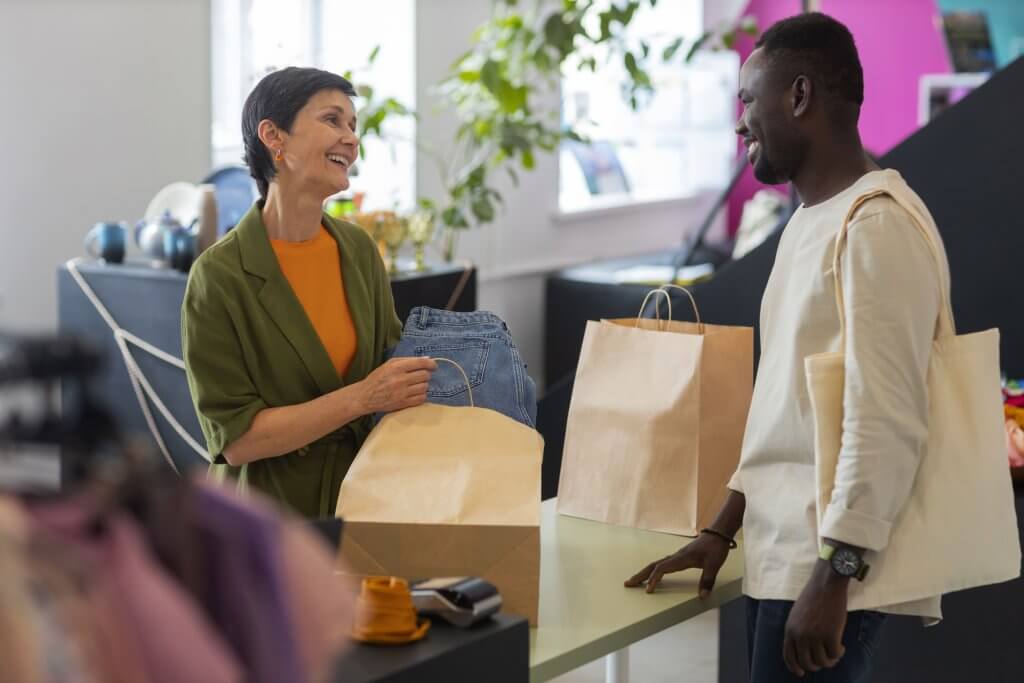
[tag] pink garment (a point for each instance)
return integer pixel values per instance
(173, 637)
(322, 602)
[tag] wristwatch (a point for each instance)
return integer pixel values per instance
(844, 561)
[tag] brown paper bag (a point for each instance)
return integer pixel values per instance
(441, 491)
(656, 422)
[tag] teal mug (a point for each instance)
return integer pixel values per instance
(107, 241)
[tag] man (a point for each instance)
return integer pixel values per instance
(802, 89)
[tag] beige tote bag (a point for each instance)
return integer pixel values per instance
(958, 528)
(656, 422)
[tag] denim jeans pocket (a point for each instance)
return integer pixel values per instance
(447, 381)
(869, 632)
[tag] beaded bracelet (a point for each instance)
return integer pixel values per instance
(731, 542)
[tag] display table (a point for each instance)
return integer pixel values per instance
(585, 611)
(146, 301)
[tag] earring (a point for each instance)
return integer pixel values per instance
(279, 155)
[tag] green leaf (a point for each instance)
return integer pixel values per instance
(645, 48)
(476, 176)
(671, 49)
(748, 25)
(605, 26)
(511, 98)
(513, 137)
(453, 217)
(482, 128)
(729, 39)
(697, 45)
(396, 107)
(490, 76)
(528, 161)
(482, 209)
(627, 12)
(630, 62)
(373, 54)
(513, 175)
(364, 91)
(555, 30)
(427, 204)
(469, 76)
(513, 22)
(639, 76)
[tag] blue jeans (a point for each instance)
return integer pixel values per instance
(766, 629)
(480, 343)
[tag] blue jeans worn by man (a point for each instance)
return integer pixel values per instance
(766, 625)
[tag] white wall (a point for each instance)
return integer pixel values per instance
(517, 251)
(104, 102)
(108, 100)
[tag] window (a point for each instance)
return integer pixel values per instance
(254, 37)
(681, 142)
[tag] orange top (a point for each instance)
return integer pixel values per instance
(313, 269)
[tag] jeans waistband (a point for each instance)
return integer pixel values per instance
(422, 318)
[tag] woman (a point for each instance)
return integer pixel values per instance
(286, 319)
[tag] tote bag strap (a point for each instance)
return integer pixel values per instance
(469, 387)
(946, 326)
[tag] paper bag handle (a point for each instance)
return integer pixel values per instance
(696, 311)
(657, 309)
(668, 298)
(469, 388)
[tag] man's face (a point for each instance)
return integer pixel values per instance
(776, 146)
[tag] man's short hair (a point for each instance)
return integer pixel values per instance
(819, 47)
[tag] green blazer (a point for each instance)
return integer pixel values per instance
(248, 345)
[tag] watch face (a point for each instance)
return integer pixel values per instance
(846, 562)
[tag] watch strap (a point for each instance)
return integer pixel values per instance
(826, 552)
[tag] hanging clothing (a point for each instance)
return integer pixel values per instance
(174, 638)
(267, 582)
(195, 583)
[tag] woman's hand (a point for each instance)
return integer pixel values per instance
(397, 384)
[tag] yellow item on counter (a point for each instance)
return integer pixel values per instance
(385, 614)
